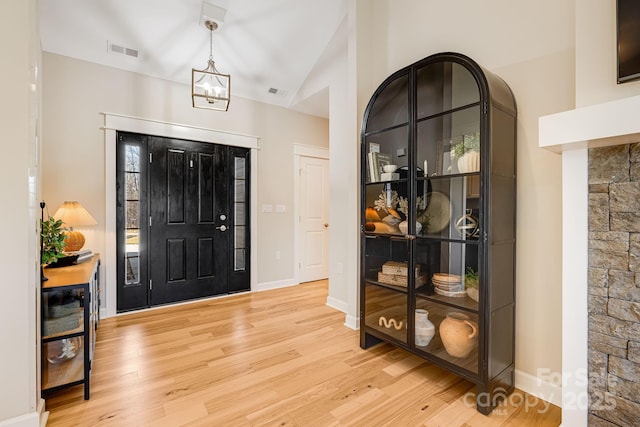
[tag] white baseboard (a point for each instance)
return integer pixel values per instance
(352, 322)
(44, 415)
(337, 304)
(349, 321)
(533, 385)
(275, 285)
(32, 419)
(259, 287)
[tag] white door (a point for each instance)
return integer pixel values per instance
(314, 219)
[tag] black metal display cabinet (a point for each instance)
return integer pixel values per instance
(438, 220)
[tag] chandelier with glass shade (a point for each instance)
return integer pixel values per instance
(210, 89)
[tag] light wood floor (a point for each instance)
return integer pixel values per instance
(274, 358)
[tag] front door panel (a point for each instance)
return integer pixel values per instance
(188, 242)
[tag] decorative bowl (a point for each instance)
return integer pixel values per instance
(389, 168)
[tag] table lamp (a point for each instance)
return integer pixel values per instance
(72, 215)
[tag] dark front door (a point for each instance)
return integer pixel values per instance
(195, 223)
(188, 234)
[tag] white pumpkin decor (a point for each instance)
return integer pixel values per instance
(469, 162)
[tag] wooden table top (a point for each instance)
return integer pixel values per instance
(76, 274)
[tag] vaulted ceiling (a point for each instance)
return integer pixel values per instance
(265, 45)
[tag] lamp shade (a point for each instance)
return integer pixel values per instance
(72, 215)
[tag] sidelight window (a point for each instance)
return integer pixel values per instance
(240, 214)
(131, 231)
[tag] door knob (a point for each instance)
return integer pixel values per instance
(326, 225)
(222, 228)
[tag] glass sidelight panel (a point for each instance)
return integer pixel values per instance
(132, 171)
(240, 212)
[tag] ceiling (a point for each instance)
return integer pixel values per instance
(262, 44)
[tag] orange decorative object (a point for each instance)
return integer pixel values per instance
(72, 215)
(371, 215)
(74, 241)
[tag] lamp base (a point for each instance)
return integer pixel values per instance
(74, 241)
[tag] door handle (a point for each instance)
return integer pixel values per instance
(222, 228)
(326, 225)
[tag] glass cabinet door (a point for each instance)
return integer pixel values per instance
(386, 173)
(455, 334)
(448, 120)
(387, 134)
(63, 336)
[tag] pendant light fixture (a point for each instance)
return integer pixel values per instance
(210, 89)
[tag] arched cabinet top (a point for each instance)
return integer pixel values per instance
(437, 84)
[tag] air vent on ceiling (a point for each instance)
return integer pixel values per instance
(277, 92)
(112, 47)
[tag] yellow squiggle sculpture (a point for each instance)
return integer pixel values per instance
(390, 323)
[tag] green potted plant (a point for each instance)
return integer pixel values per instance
(53, 236)
(471, 283)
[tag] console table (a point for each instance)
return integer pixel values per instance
(70, 315)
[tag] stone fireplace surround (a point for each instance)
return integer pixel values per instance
(572, 133)
(614, 286)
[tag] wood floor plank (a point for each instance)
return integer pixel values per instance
(273, 358)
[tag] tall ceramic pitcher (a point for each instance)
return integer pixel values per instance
(459, 334)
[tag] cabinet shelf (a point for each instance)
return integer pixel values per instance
(462, 303)
(401, 289)
(79, 318)
(395, 181)
(450, 126)
(448, 176)
(448, 112)
(65, 372)
(387, 129)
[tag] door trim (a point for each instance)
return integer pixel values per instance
(298, 152)
(119, 122)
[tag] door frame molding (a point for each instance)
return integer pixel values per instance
(299, 151)
(119, 122)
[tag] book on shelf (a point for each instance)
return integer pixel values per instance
(371, 167)
(376, 163)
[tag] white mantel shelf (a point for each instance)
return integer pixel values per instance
(610, 123)
(572, 133)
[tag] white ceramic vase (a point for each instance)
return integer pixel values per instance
(425, 330)
(469, 162)
(404, 227)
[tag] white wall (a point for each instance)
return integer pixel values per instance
(19, 319)
(75, 92)
(531, 46)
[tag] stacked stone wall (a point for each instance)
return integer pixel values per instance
(614, 286)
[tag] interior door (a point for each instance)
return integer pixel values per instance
(314, 218)
(188, 220)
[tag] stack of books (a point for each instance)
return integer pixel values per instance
(396, 272)
(82, 255)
